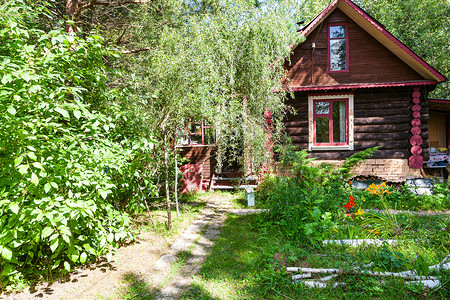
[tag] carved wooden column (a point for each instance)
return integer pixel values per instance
(416, 159)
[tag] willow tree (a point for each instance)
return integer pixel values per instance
(216, 60)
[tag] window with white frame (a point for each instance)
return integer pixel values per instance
(330, 122)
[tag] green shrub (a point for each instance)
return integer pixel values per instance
(66, 171)
(304, 200)
(402, 198)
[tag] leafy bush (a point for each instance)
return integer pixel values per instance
(62, 168)
(304, 199)
(402, 198)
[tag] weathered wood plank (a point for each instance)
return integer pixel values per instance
(385, 136)
(386, 145)
(345, 154)
(404, 127)
(367, 111)
(382, 120)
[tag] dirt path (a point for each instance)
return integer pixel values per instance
(148, 269)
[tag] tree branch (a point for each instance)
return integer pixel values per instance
(84, 6)
(92, 3)
(119, 2)
(136, 50)
(121, 36)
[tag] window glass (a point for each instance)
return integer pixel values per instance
(322, 108)
(337, 32)
(338, 55)
(196, 128)
(322, 130)
(339, 122)
(196, 133)
(196, 139)
(330, 122)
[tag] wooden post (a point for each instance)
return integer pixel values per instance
(416, 160)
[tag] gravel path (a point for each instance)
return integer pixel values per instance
(198, 239)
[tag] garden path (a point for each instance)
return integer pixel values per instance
(144, 269)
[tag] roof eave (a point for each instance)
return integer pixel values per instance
(355, 86)
(376, 30)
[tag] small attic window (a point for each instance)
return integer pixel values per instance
(338, 48)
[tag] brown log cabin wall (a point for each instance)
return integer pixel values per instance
(382, 117)
(200, 155)
(369, 60)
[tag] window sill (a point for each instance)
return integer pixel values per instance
(324, 148)
(342, 71)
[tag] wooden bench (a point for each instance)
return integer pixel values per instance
(229, 183)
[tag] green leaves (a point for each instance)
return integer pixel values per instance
(57, 134)
(6, 253)
(54, 243)
(77, 114)
(47, 231)
(66, 266)
(34, 179)
(32, 156)
(47, 187)
(14, 207)
(63, 112)
(23, 169)
(104, 194)
(83, 257)
(11, 110)
(18, 160)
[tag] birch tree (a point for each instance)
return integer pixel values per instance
(210, 60)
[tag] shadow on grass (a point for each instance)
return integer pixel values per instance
(240, 265)
(137, 288)
(198, 292)
(243, 265)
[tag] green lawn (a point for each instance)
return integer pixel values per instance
(249, 259)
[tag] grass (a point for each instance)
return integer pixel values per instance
(249, 259)
(190, 206)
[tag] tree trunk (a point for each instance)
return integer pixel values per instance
(247, 164)
(176, 181)
(166, 165)
(71, 10)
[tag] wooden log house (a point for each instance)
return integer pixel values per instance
(356, 86)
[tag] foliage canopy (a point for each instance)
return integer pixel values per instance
(63, 172)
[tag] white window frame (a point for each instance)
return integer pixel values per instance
(311, 99)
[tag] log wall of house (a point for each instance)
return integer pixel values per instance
(382, 117)
(369, 60)
(200, 155)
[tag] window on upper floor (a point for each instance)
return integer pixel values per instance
(330, 122)
(196, 133)
(338, 48)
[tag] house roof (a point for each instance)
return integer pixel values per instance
(377, 31)
(441, 105)
(361, 86)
